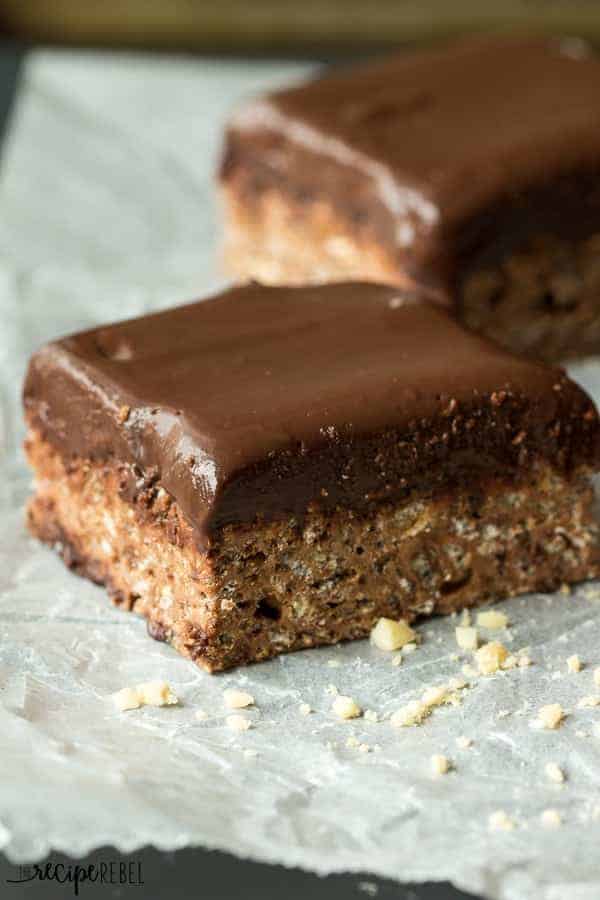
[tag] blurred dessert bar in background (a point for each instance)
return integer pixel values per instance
(473, 169)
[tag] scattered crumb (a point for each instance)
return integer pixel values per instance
(410, 648)
(511, 662)
(503, 713)
(550, 716)
(124, 413)
(467, 638)
(391, 635)
(151, 693)
(565, 589)
(588, 702)
(440, 765)
(574, 664)
(551, 818)
(305, 709)
(500, 821)
(201, 715)
(554, 772)
(156, 693)
(352, 741)
(413, 713)
(490, 657)
(127, 698)
(238, 723)
(416, 711)
(371, 715)
(333, 663)
(331, 689)
(397, 659)
(597, 677)
(524, 661)
(250, 753)
(464, 742)
(492, 619)
(346, 707)
(454, 657)
(237, 699)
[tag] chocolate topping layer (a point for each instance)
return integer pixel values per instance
(436, 150)
(262, 401)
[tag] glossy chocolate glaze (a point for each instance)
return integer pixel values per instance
(261, 401)
(446, 151)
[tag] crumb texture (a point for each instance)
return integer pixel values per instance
(542, 298)
(284, 585)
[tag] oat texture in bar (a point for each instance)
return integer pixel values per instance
(276, 468)
(474, 168)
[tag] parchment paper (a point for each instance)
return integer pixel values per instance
(106, 210)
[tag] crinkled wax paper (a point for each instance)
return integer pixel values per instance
(107, 210)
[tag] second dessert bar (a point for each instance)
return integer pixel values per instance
(276, 468)
(473, 168)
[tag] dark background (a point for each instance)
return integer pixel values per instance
(206, 875)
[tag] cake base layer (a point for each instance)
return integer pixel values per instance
(543, 298)
(277, 241)
(272, 587)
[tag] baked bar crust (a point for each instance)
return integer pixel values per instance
(462, 168)
(285, 585)
(275, 468)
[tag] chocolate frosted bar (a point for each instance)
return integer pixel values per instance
(474, 169)
(275, 468)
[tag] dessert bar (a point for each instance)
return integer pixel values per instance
(276, 468)
(474, 169)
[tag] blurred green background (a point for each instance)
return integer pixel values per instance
(283, 25)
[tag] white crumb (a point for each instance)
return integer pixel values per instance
(550, 716)
(492, 619)
(346, 707)
(238, 723)
(440, 764)
(551, 818)
(500, 821)
(150, 693)
(237, 699)
(490, 657)
(392, 635)
(467, 637)
(554, 773)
